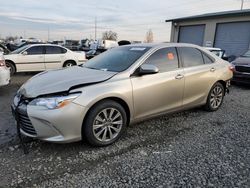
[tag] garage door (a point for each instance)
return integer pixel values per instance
(233, 37)
(192, 34)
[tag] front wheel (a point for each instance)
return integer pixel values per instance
(215, 97)
(104, 123)
(11, 67)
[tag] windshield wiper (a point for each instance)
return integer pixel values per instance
(91, 68)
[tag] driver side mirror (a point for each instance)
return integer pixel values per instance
(25, 53)
(147, 69)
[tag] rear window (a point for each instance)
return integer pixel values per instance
(55, 50)
(191, 56)
(207, 60)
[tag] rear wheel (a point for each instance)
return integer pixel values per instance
(69, 64)
(104, 123)
(11, 66)
(215, 97)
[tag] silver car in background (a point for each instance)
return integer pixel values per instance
(127, 84)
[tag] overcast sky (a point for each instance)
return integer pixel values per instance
(74, 19)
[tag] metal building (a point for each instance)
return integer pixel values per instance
(228, 30)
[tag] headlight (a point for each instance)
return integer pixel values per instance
(54, 102)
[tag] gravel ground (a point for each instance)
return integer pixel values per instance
(187, 149)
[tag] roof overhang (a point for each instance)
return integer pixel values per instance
(212, 15)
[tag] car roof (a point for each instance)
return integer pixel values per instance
(31, 45)
(165, 44)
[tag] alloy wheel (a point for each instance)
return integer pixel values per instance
(69, 65)
(107, 124)
(216, 97)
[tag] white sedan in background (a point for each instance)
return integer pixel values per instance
(40, 57)
(4, 72)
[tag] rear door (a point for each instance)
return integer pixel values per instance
(31, 59)
(54, 57)
(159, 92)
(200, 75)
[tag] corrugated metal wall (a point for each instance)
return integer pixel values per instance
(192, 34)
(233, 37)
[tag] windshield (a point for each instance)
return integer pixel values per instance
(18, 50)
(247, 54)
(116, 59)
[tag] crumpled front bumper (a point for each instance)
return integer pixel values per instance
(62, 125)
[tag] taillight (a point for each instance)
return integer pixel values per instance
(232, 68)
(2, 63)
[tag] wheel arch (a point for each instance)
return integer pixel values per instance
(13, 63)
(116, 99)
(224, 84)
(69, 60)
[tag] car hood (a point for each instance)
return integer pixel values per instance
(10, 56)
(62, 80)
(242, 61)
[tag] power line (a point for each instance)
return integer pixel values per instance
(95, 28)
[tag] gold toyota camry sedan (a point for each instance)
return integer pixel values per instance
(99, 99)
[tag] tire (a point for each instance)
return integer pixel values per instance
(96, 125)
(215, 97)
(69, 64)
(11, 66)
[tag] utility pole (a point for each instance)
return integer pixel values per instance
(95, 28)
(48, 34)
(242, 4)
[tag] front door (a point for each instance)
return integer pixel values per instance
(161, 92)
(31, 59)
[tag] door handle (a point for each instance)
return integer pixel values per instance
(40, 56)
(212, 69)
(179, 76)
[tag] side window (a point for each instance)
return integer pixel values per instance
(207, 59)
(36, 50)
(54, 50)
(165, 59)
(191, 56)
(63, 50)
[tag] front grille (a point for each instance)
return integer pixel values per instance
(26, 125)
(242, 69)
(24, 121)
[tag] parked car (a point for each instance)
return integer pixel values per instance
(4, 72)
(39, 57)
(4, 49)
(123, 85)
(103, 44)
(241, 65)
(219, 52)
(72, 44)
(92, 53)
